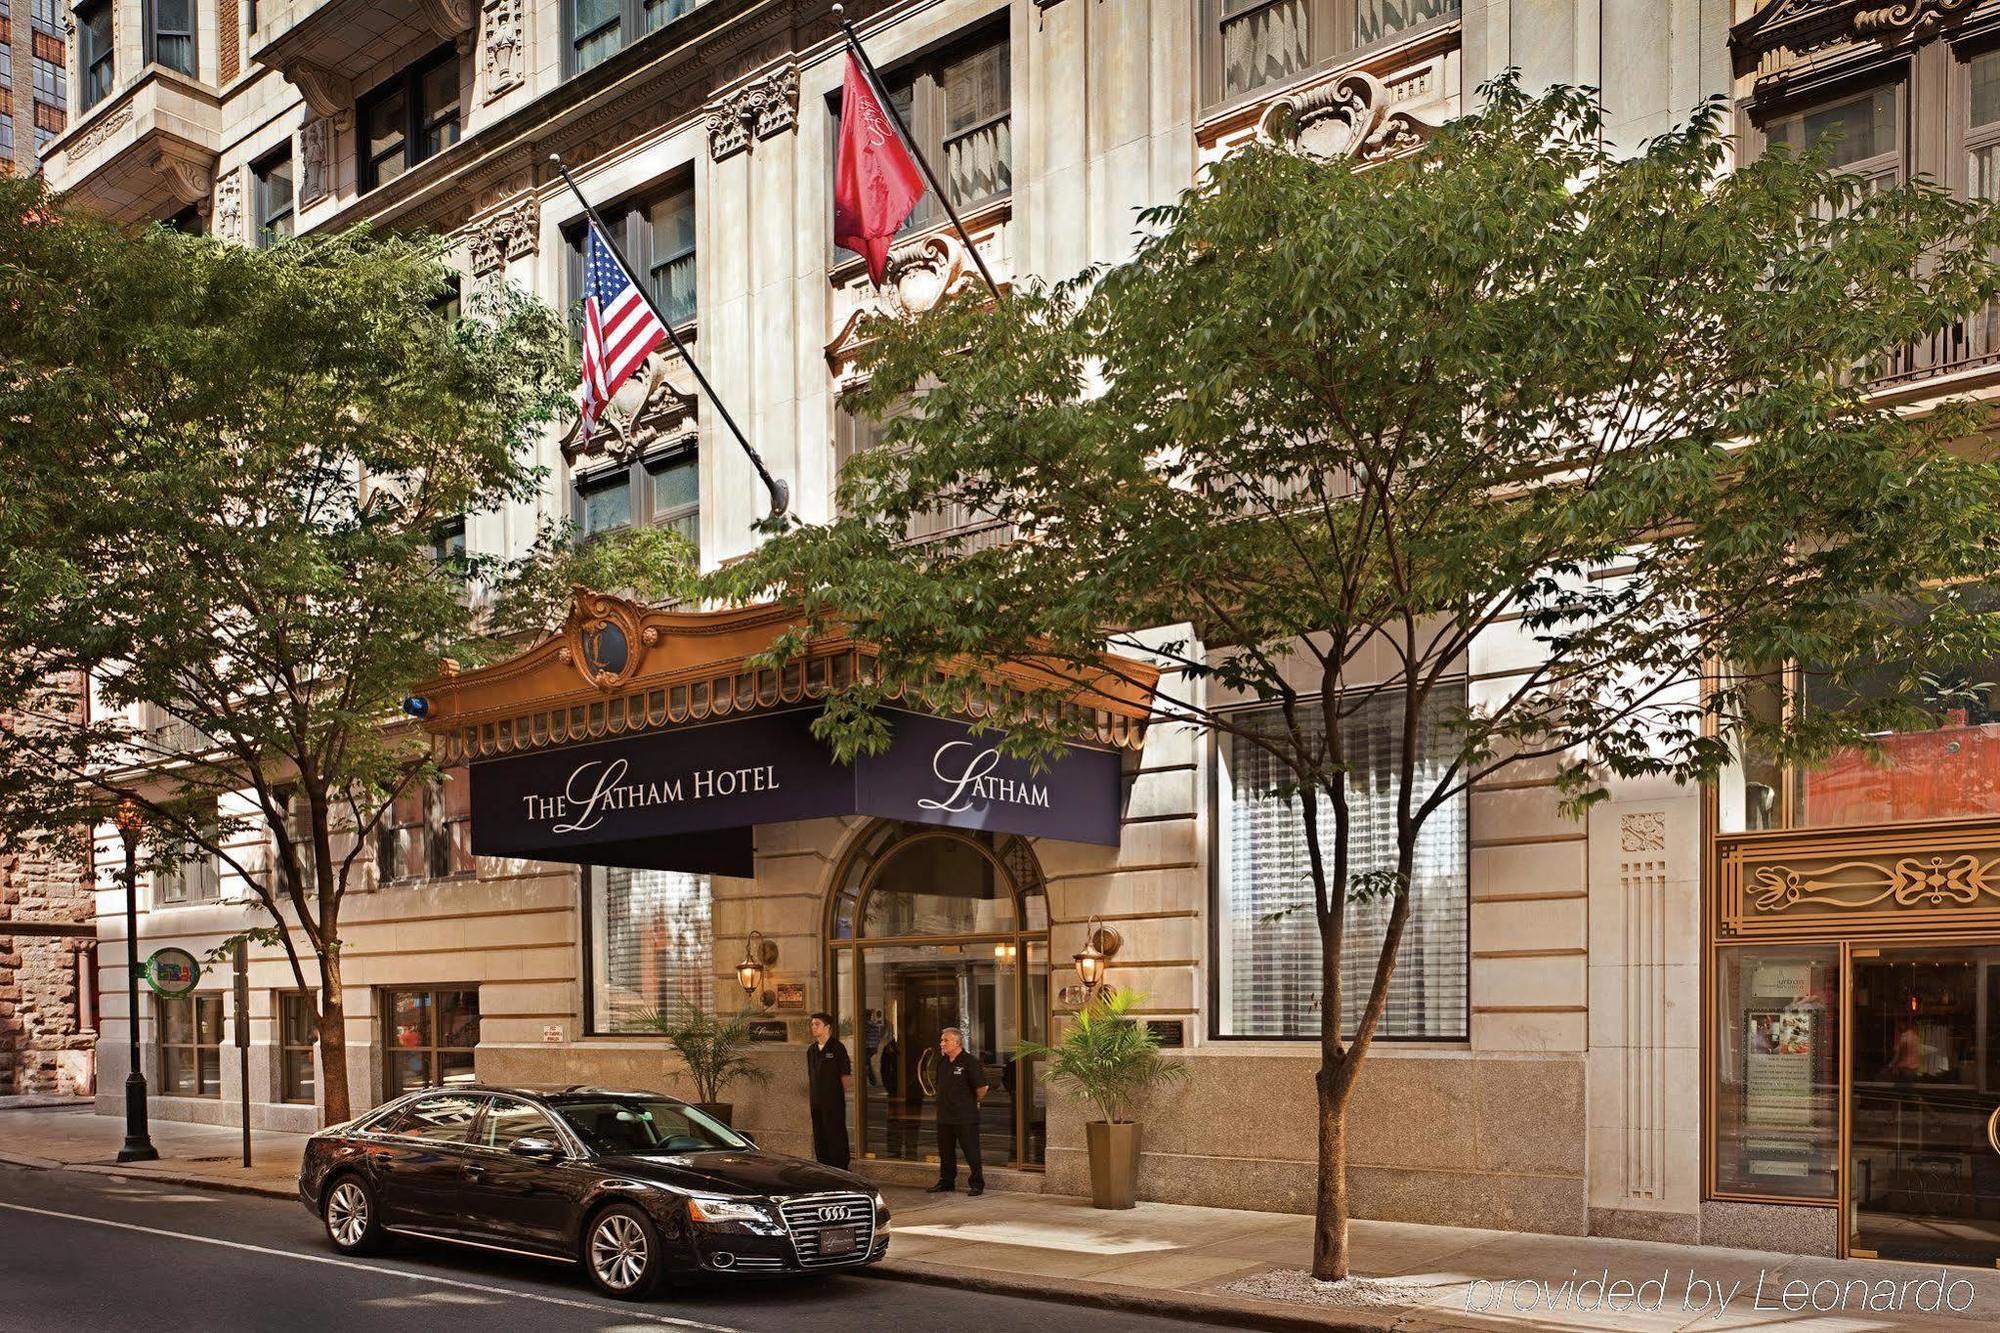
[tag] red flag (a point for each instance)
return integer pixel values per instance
(875, 180)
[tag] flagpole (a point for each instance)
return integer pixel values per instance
(896, 119)
(780, 492)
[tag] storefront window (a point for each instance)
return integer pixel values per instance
(652, 942)
(1269, 957)
(1777, 1076)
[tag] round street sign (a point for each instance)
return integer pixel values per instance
(172, 972)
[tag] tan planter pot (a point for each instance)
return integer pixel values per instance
(1114, 1163)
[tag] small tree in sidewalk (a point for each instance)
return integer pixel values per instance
(228, 472)
(1331, 432)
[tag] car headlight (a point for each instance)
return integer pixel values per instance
(706, 1208)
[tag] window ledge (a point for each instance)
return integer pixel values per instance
(1386, 59)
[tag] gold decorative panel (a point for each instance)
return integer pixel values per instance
(1874, 883)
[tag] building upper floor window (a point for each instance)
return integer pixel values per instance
(170, 34)
(94, 51)
(663, 488)
(195, 878)
(595, 30)
(414, 116)
(656, 234)
(274, 196)
(958, 105)
(1250, 45)
(1861, 133)
(427, 833)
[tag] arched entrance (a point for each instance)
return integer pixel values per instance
(931, 928)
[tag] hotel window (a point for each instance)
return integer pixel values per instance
(1251, 45)
(195, 878)
(656, 234)
(296, 1038)
(595, 30)
(652, 945)
(427, 832)
(1268, 973)
(957, 105)
(274, 196)
(94, 51)
(411, 118)
(190, 1038)
(1861, 133)
(663, 489)
(430, 1036)
(170, 34)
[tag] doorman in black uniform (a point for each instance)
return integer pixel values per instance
(961, 1083)
(828, 1078)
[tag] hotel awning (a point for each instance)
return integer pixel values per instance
(649, 738)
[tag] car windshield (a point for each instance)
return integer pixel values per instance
(646, 1125)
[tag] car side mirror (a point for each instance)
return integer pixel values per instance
(533, 1145)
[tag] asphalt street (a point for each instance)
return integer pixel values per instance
(80, 1251)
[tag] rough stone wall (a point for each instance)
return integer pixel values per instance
(44, 1047)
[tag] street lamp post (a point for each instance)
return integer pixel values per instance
(138, 1145)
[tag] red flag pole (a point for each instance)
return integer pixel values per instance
(923, 163)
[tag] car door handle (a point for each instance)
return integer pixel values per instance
(474, 1170)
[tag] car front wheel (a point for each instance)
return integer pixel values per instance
(621, 1250)
(353, 1223)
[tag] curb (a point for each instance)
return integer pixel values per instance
(157, 1175)
(1235, 1312)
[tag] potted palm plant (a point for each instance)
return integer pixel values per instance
(1110, 1060)
(715, 1051)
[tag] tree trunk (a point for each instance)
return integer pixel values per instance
(1330, 1257)
(332, 1042)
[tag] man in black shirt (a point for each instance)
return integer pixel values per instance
(828, 1075)
(960, 1085)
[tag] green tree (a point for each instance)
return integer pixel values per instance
(1327, 416)
(226, 475)
(650, 564)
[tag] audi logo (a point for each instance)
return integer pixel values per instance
(835, 1212)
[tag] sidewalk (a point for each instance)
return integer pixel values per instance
(1228, 1266)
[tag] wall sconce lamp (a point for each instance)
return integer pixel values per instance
(1100, 945)
(758, 955)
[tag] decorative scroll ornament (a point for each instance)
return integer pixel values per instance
(1344, 117)
(503, 41)
(647, 414)
(513, 234)
(328, 93)
(315, 151)
(1917, 16)
(449, 20)
(764, 109)
(190, 177)
(1642, 831)
(920, 273)
(99, 134)
(603, 638)
(1911, 881)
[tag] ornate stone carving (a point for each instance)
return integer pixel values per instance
(604, 638)
(514, 234)
(766, 108)
(1909, 15)
(326, 92)
(315, 153)
(228, 215)
(646, 414)
(503, 42)
(1805, 25)
(190, 177)
(1348, 116)
(99, 134)
(451, 20)
(1642, 831)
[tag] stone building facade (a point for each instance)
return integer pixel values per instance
(1562, 1055)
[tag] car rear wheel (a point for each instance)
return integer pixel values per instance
(353, 1222)
(621, 1252)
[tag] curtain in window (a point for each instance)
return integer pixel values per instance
(1262, 45)
(1269, 969)
(653, 945)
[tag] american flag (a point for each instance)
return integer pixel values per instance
(619, 327)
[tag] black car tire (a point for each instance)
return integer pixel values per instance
(622, 1252)
(352, 1217)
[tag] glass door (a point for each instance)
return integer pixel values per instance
(915, 992)
(1924, 1104)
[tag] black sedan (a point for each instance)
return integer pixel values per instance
(631, 1185)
